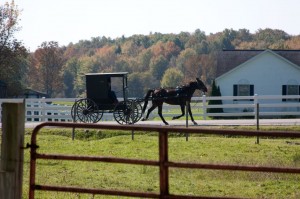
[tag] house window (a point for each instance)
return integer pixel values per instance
(290, 90)
(243, 90)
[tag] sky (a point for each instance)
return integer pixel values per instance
(68, 21)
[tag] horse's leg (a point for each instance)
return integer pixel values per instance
(160, 114)
(149, 111)
(190, 112)
(182, 112)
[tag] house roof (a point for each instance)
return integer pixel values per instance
(229, 59)
(29, 91)
(119, 74)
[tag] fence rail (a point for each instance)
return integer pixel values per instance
(59, 109)
(163, 163)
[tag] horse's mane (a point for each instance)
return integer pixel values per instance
(187, 84)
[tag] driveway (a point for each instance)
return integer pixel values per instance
(237, 122)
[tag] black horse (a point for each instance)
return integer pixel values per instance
(174, 96)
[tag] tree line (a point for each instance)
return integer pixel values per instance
(153, 60)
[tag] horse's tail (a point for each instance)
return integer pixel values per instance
(146, 99)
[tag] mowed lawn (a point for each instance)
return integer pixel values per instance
(201, 149)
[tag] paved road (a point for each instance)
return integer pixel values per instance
(240, 122)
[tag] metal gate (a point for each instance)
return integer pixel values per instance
(163, 163)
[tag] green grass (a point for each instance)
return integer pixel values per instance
(203, 149)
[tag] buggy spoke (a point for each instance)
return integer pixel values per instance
(86, 111)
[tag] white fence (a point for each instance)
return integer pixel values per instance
(59, 109)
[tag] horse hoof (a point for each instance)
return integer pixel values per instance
(195, 123)
(143, 119)
(166, 123)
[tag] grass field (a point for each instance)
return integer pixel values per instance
(203, 149)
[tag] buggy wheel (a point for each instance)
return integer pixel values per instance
(126, 112)
(137, 110)
(73, 112)
(100, 114)
(86, 111)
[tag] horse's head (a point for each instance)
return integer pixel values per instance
(201, 86)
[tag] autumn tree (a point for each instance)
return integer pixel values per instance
(104, 57)
(13, 63)
(293, 43)
(49, 62)
(157, 49)
(171, 50)
(188, 63)
(130, 48)
(241, 36)
(208, 65)
(148, 57)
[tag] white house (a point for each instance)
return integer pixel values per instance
(261, 72)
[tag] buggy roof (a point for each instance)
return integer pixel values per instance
(119, 74)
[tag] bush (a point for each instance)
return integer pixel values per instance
(215, 91)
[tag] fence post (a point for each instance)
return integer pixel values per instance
(133, 105)
(255, 101)
(257, 122)
(12, 155)
(256, 104)
(163, 160)
(187, 118)
(204, 106)
(43, 107)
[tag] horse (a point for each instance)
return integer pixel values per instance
(173, 96)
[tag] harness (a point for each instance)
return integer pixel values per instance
(180, 91)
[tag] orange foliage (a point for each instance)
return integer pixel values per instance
(293, 43)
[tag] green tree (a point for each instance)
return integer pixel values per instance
(215, 91)
(122, 65)
(71, 70)
(144, 60)
(172, 78)
(178, 43)
(270, 35)
(135, 83)
(202, 47)
(118, 49)
(196, 38)
(13, 54)
(158, 66)
(227, 38)
(87, 64)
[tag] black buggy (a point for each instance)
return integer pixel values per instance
(101, 98)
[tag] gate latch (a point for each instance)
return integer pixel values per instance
(34, 146)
